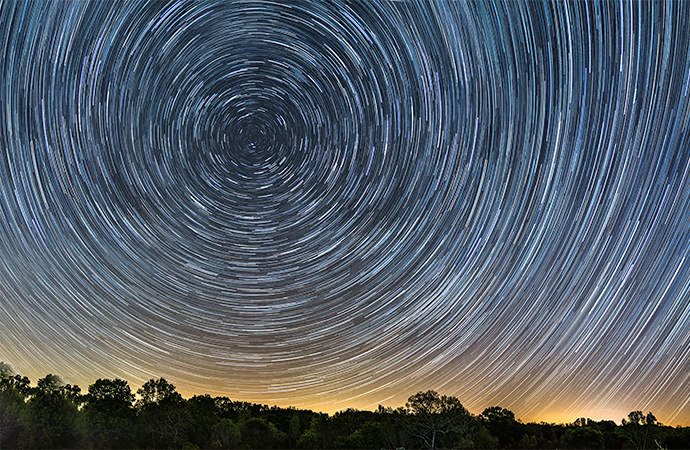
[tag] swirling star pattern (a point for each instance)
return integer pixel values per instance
(333, 204)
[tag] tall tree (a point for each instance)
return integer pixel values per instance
(432, 416)
(162, 413)
(502, 424)
(640, 429)
(294, 429)
(13, 392)
(108, 415)
(52, 413)
(203, 418)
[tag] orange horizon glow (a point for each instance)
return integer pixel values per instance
(554, 416)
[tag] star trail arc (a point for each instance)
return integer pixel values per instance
(335, 204)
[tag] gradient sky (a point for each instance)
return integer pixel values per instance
(340, 204)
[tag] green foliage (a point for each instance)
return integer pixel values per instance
(496, 414)
(294, 429)
(113, 393)
(314, 436)
(226, 434)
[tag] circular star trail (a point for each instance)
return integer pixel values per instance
(336, 204)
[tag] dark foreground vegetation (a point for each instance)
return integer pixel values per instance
(109, 415)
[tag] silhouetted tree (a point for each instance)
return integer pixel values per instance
(13, 392)
(581, 422)
(315, 436)
(108, 416)
(502, 424)
(432, 416)
(496, 414)
(343, 424)
(48, 415)
(52, 414)
(203, 417)
(676, 438)
(394, 431)
(582, 437)
(162, 413)
(607, 429)
(640, 429)
(157, 392)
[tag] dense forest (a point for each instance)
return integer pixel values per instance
(52, 414)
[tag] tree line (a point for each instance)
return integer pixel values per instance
(53, 414)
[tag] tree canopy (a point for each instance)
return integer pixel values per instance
(54, 414)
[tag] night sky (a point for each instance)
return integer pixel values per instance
(334, 205)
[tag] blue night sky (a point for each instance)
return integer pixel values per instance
(331, 205)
